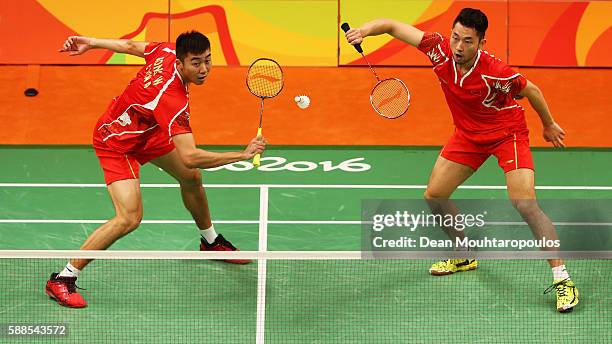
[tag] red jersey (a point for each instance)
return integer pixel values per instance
(155, 102)
(482, 100)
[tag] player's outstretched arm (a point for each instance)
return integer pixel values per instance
(194, 157)
(404, 32)
(552, 131)
(77, 45)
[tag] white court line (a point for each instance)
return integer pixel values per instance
(263, 219)
(260, 326)
(104, 221)
(263, 225)
(306, 186)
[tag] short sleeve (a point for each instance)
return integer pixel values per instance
(517, 82)
(150, 51)
(436, 47)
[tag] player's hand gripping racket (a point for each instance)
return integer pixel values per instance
(390, 97)
(264, 80)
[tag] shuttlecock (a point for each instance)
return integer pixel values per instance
(302, 101)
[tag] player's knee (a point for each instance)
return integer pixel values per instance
(431, 194)
(130, 221)
(192, 178)
(526, 207)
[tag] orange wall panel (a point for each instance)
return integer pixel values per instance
(224, 112)
(560, 33)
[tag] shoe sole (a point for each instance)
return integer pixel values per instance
(60, 302)
(230, 261)
(444, 273)
(568, 309)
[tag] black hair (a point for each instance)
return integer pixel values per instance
(191, 42)
(473, 18)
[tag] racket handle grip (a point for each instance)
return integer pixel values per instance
(345, 27)
(257, 157)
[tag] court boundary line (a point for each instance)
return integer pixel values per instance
(265, 222)
(311, 186)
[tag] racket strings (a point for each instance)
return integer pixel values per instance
(265, 78)
(390, 98)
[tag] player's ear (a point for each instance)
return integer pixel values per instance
(179, 64)
(482, 43)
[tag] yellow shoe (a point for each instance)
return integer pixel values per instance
(450, 266)
(567, 294)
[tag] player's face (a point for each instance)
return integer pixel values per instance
(465, 43)
(195, 68)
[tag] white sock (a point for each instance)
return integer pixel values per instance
(70, 271)
(209, 234)
(560, 273)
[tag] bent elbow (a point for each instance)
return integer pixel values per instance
(129, 46)
(132, 49)
(189, 161)
(387, 25)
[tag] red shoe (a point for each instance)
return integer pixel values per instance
(63, 291)
(220, 244)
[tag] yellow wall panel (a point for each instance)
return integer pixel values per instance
(108, 18)
(357, 12)
(597, 18)
(293, 32)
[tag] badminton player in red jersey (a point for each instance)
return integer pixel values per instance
(149, 122)
(481, 92)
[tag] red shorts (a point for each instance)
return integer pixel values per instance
(511, 150)
(120, 166)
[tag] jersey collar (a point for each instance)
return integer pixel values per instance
(468, 72)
